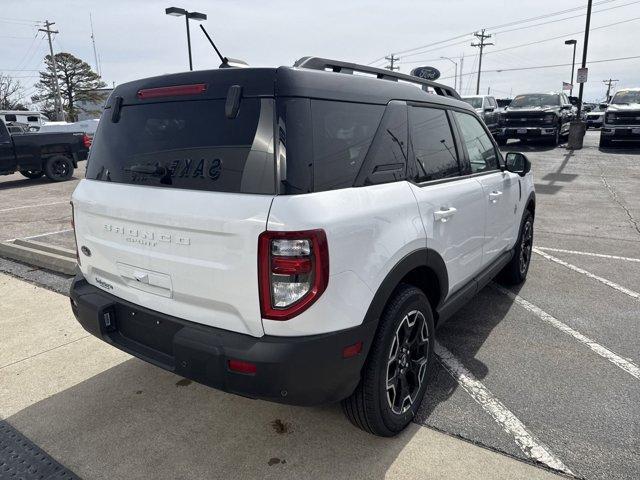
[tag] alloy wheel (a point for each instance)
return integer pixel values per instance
(407, 362)
(526, 246)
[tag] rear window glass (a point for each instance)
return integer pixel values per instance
(189, 145)
(342, 134)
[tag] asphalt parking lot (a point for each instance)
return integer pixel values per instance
(547, 373)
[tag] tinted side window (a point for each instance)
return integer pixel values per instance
(482, 154)
(342, 134)
(32, 118)
(386, 160)
(10, 118)
(433, 146)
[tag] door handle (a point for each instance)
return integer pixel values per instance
(494, 196)
(444, 214)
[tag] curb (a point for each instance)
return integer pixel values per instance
(51, 257)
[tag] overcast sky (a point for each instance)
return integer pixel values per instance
(136, 39)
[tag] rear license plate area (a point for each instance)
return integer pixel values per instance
(147, 329)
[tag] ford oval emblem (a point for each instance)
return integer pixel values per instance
(428, 73)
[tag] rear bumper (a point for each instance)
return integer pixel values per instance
(306, 370)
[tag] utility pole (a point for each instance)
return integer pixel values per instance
(481, 45)
(608, 84)
(392, 59)
(461, 65)
(58, 99)
(577, 127)
(93, 41)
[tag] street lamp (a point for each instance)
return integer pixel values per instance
(455, 78)
(573, 63)
(178, 12)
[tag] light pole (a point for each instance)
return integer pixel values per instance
(177, 12)
(573, 63)
(455, 78)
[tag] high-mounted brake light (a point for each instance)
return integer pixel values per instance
(173, 91)
(293, 271)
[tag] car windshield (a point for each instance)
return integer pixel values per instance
(626, 97)
(536, 100)
(475, 102)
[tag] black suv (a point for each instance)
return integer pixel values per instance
(538, 116)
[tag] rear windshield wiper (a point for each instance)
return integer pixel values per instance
(148, 169)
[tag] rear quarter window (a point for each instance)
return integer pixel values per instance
(188, 145)
(342, 135)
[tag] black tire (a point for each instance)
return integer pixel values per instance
(604, 142)
(515, 272)
(375, 406)
(32, 174)
(58, 168)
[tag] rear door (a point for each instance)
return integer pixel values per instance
(500, 188)
(451, 206)
(175, 198)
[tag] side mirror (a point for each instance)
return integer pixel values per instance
(567, 107)
(489, 109)
(517, 163)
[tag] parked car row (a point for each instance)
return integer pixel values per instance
(532, 116)
(547, 116)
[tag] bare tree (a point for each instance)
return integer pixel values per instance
(11, 93)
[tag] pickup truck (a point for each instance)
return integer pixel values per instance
(54, 155)
(537, 116)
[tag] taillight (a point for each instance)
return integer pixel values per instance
(73, 226)
(293, 271)
(86, 141)
(172, 91)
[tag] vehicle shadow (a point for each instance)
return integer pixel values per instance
(27, 182)
(622, 149)
(135, 420)
(529, 146)
(464, 334)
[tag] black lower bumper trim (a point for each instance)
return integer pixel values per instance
(306, 370)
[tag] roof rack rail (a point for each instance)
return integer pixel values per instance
(324, 64)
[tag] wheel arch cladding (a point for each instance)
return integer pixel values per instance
(424, 269)
(531, 203)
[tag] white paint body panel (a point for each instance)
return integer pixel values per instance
(186, 253)
(460, 239)
(369, 230)
(501, 194)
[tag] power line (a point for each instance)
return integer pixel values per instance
(526, 20)
(537, 67)
(540, 41)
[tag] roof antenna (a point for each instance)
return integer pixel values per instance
(226, 62)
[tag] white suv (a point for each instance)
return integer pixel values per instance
(294, 234)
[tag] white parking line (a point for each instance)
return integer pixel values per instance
(604, 352)
(31, 206)
(41, 235)
(609, 283)
(531, 447)
(590, 254)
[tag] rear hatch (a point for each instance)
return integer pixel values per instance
(176, 195)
